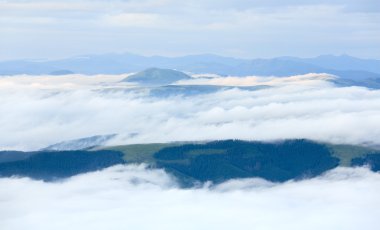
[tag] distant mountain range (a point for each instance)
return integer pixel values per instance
(350, 70)
(343, 66)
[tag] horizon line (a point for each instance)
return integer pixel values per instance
(182, 56)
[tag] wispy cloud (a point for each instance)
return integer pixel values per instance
(306, 79)
(136, 20)
(253, 28)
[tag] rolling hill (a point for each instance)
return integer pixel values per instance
(156, 76)
(191, 163)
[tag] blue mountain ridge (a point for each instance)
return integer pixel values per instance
(126, 63)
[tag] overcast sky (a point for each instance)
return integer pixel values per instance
(240, 28)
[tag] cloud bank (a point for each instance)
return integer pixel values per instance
(40, 111)
(134, 197)
(311, 79)
(37, 111)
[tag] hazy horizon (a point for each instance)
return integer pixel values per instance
(64, 28)
(183, 55)
(197, 114)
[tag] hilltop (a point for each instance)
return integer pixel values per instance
(191, 163)
(156, 76)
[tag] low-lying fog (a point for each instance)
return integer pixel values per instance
(37, 111)
(134, 197)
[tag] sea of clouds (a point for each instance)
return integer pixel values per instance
(136, 197)
(37, 111)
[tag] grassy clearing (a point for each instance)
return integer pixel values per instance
(348, 152)
(144, 153)
(141, 153)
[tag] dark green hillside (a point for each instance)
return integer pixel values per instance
(51, 166)
(8, 156)
(141, 153)
(192, 162)
(372, 160)
(223, 160)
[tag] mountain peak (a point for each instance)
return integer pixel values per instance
(157, 76)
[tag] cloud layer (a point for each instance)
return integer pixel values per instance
(37, 111)
(133, 197)
(40, 111)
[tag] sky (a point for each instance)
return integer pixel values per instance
(242, 28)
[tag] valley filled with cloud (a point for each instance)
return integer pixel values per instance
(38, 111)
(136, 197)
(197, 114)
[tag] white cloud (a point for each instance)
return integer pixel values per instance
(39, 111)
(134, 20)
(132, 197)
(40, 5)
(311, 79)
